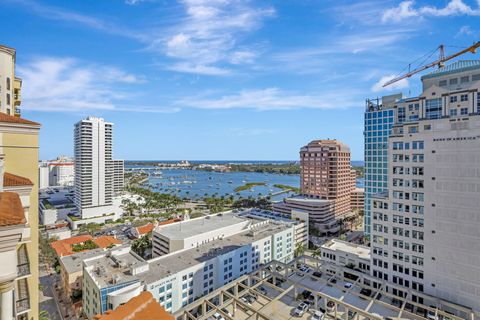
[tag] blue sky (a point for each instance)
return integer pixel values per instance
(220, 79)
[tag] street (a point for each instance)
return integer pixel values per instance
(47, 298)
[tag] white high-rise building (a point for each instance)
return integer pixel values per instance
(93, 167)
(425, 232)
(58, 172)
(118, 176)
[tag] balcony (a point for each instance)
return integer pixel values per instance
(22, 301)
(23, 264)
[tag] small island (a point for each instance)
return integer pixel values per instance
(285, 187)
(249, 185)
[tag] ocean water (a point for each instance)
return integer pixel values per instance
(196, 184)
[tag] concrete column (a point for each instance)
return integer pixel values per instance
(6, 296)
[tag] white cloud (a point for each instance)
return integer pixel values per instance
(272, 99)
(65, 84)
(208, 39)
(467, 31)
(406, 10)
(378, 86)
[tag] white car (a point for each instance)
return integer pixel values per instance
(318, 315)
(431, 315)
(217, 316)
(348, 285)
(300, 310)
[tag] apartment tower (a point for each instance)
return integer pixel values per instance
(326, 173)
(425, 231)
(10, 86)
(93, 167)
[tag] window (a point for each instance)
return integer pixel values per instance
(401, 114)
(442, 83)
(476, 77)
(464, 111)
(8, 99)
(417, 145)
(453, 81)
(453, 112)
(8, 83)
(464, 79)
(464, 97)
(433, 108)
(453, 99)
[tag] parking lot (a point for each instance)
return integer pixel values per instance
(276, 290)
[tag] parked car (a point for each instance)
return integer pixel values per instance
(348, 285)
(217, 316)
(431, 314)
(318, 315)
(227, 312)
(262, 290)
(300, 309)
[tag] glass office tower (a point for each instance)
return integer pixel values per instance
(379, 118)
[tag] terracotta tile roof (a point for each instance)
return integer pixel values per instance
(169, 221)
(12, 119)
(64, 247)
(145, 229)
(11, 209)
(105, 241)
(12, 180)
(141, 307)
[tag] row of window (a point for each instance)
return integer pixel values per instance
(416, 157)
(400, 145)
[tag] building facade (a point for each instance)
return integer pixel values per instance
(320, 212)
(94, 170)
(180, 277)
(347, 254)
(379, 119)
(425, 231)
(58, 172)
(357, 199)
(19, 216)
(10, 86)
(326, 173)
(118, 176)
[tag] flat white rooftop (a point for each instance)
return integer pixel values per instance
(189, 228)
(348, 247)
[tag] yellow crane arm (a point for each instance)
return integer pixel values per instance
(439, 62)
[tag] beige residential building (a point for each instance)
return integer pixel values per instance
(10, 86)
(18, 218)
(425, 233)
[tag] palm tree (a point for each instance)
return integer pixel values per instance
(317, 254)
(299, 250)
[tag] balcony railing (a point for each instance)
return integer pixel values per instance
(23, 264)
(23, 269)
(22, 301)
(23, 305)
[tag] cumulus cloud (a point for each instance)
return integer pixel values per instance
(378, 86)
(208, 39)
(406, 9)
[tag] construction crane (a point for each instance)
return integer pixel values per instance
(440, 62)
